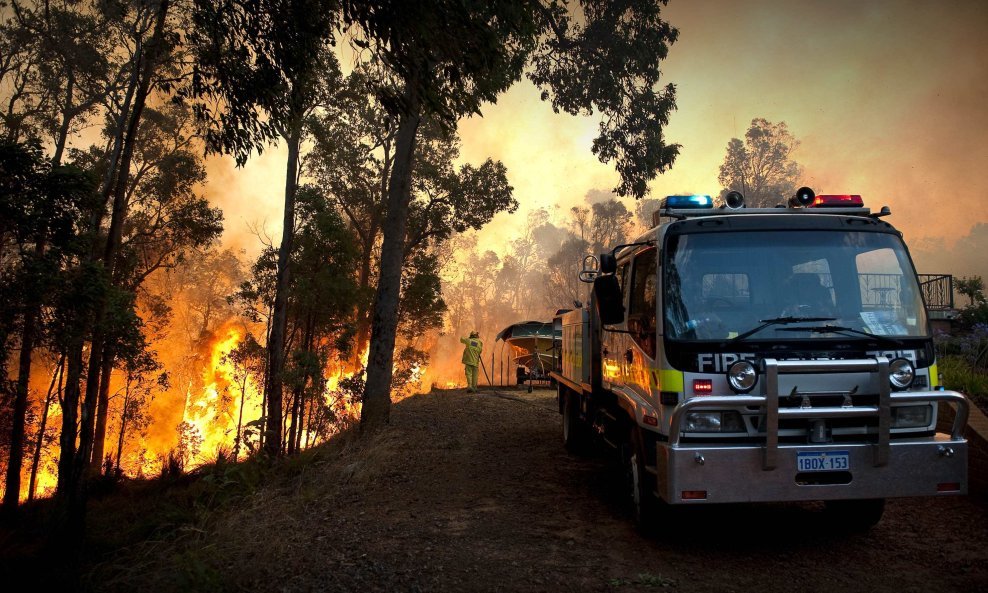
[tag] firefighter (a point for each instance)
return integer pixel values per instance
(471, 359)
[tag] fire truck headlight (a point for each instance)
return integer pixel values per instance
(742, 376)
(728, 421)
(911, 416)
(901, 373)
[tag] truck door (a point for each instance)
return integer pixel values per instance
(641, 347)
(614, 342)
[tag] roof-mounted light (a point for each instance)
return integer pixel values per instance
(734, 200)
(686, 202)
(837, 201)
(802, 198)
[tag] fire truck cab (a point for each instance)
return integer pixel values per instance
(734, 354)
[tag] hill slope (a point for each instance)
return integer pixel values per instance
(476, 493)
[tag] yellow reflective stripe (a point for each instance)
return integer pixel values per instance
(934, 376)
(670, 380)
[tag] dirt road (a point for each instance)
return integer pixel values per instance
(476, 493)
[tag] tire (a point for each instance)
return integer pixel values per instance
(576, 432)
(640, 484)
(855, 515)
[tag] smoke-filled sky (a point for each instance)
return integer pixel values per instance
(889, 99)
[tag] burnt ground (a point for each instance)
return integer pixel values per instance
(476, 493)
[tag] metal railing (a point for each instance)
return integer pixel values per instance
(938, 291)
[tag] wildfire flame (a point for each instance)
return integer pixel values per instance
(210, 404)
(210, 416)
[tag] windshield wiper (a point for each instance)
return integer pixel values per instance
(834, 329)
(779, 321)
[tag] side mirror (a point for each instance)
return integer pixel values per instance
(608, 263)
(590, 269)
(608, 299)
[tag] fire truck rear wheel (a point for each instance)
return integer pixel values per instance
(576, 433)
(856, 515)
(640, 483)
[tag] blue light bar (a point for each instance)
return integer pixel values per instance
(686, 202)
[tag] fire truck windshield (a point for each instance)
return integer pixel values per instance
(723, 285)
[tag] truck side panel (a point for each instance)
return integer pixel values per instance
(576, 350)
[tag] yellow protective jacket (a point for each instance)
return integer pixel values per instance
(471, 354)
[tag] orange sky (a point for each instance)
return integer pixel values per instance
(888, 97)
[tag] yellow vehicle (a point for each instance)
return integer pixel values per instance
(748, 355)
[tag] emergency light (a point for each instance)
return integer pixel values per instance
(837, 201)
(686, 202)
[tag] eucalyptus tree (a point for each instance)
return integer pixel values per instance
(452, 56)
(43, 208)
(761, 166)
(77, 66)
(320, 301)
(167, 221)
(353, 156)
(146, 33)
(261, 68)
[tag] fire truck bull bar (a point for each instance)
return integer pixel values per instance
(722, 472)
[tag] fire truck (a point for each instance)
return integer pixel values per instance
(735, 354)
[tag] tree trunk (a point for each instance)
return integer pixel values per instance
(40, 442)
(123, 425)
(102, 407)
(310, 419)
(362, 337)
(290, 422)
(306, 405)
(70, 415)
(67, 115)
(279, 325)
(74, 487)
(69, 492)
(29, 333)
(149, 62)
(264, 382)
(240, 417)
(298, 394)
(376, 409)
(16, 460)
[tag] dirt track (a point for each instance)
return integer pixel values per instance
(476, 493)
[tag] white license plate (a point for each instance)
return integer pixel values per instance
(823, 461)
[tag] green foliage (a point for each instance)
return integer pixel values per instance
(960, 375)
(601, 56)
(261, 66)
(56, 68)
(422, 305)
(604, 56)
(962, 360)
(42, 212)
(973, 288)
(323, 262)
(973, 315)
(449, 200)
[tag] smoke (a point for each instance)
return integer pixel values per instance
(252, 197)
(965, 258)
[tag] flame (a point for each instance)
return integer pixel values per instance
(210, 416)
(346, 409)
(200, 417)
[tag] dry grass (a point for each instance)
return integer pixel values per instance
(250, 515)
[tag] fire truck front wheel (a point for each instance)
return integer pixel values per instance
(576, 432)
(640, 483)
(856, 515)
